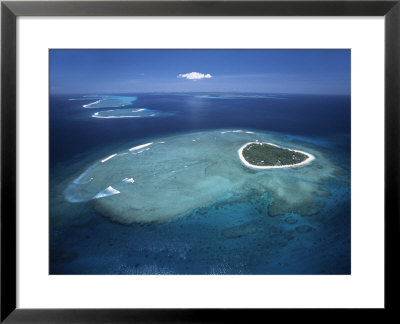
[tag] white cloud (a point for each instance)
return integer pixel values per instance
(195, 76)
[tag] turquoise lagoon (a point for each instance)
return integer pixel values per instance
(196, 170)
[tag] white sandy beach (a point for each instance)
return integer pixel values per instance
(310, 157)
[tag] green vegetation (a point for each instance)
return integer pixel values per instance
(269, 155)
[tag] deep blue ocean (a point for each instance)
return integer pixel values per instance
(82, 241)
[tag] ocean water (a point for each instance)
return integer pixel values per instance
(164, 192)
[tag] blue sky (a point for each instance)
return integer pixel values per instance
(262, 71)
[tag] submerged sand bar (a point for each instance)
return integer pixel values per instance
(309, 158)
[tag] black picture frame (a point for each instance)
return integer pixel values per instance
(10, 10)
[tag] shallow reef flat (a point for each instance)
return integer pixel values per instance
(106, 101)
(164, 178)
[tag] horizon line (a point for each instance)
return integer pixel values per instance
(167, 92)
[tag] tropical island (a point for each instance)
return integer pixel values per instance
(261, 155)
